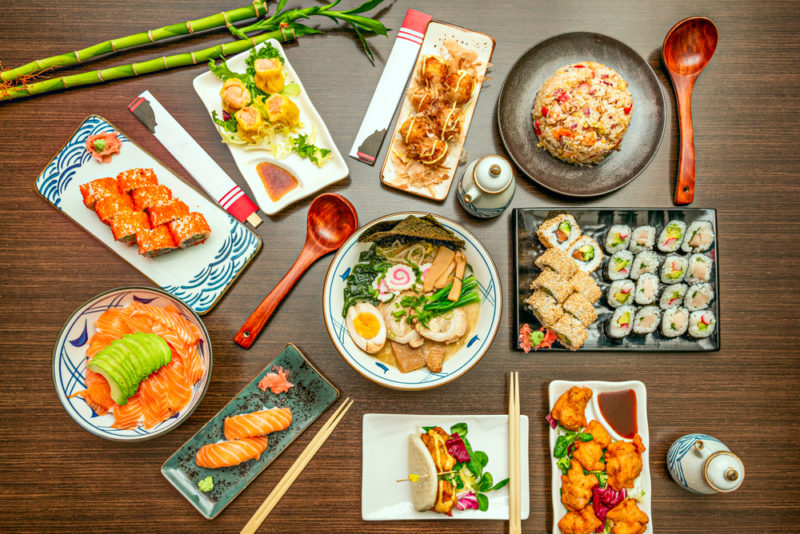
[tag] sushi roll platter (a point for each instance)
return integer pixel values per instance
(650, 279)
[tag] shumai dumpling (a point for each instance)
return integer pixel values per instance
(248, 122)
(281, 109)
(269, 75)
(234, 95)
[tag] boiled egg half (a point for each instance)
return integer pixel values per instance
(366, 327)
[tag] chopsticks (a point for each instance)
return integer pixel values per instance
(297, 468)
(514, 512)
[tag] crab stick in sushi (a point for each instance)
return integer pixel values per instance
(190, 230)
(248, 122)
(269, 75)
(282, 110)
(234, 95)
(98, 189)
(125, 226)
(155, 242)
(135, 178)
(108, 207)
(164, 213)
(152, 195)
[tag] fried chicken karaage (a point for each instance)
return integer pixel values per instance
(589, 453)
(583, 522)
(570, 408)
(576, 488)
(624, 462)
(628, 518)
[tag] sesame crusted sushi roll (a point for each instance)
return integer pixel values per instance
(702, 323)
(619, 266)
(164, 213)
(557, 260)
(560, 231)
(151, 195)
(618, 238)
(587, 253)
(620, 323)
(644, 262)
(155, 242)
(674, 269)
(583, 283)
(125, 225)
(643, 238)
(107, 208)
(672, 296)
(646, 289)
(699, 237)
(545, 308)
(553, 284)
(190, 230)
(579, 307)
(675, 322)
(699, 297)
(98, 189)
(699, 269)
(136, 178)
(646, 320)
(570, 332)
(671, 236)
(620, 293)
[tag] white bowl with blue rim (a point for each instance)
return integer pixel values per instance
(69, 362)
(386, 375)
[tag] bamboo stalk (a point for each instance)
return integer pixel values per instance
(226, 18)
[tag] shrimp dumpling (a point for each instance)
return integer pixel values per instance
(234, 95)
(281, 109)
(248, 122)
(269, 75)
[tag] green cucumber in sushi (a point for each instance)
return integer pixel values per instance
(671, 236)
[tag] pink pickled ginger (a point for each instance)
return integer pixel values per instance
(277, 382)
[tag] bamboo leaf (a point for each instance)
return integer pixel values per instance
(364, 43)
(366, 6)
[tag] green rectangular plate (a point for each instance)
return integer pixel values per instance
(308, 399)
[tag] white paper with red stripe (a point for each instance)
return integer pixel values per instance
(391, 85)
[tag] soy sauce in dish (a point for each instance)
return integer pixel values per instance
(619, 410)
(277, 180)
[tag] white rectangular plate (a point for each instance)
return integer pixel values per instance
(310, 178)
(385, 460)
(556, 389)
(198, 275)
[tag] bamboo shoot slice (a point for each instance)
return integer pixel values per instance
(444, 256)
(461, 264)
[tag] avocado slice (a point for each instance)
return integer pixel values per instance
(588, 252)
(621, 297)
(617, 240)
(674, 231)
(119, 356)
(563, 231)
(674, 275)
(625, 318)
(120, 388)
(139, 354)
(158, 350)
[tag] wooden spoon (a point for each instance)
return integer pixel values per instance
(687, 49)
(331, 220)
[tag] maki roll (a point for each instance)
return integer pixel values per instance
(619, 266)
(136, 178)
(553, 284)
(108, 207)
(587, 253)
(155, 242)
(702, 323)
(699, 237)
(674, 269)
(248, 123)
(643, 238)
(671, 236)
(620, 323)
(125, 225)
(618, 238)
(557, 260)
(672, 296)
(699, 269)
(235, 95)
(579, 307)
(583, 283)
(699, 297)
(646, 320)
(545, 308)
(190, 230)
(98, 189)
(152, 195)
(269, 75)
(675, 322)
(281, 109)
(620, 293)
(644, 262)
(570, 332)
(164, 213)
(646, 289)
(560, 231)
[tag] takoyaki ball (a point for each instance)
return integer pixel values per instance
(415, 129)
(423, 99)
(459, 86)
(432, 70)
(429, 151)
(447, 123)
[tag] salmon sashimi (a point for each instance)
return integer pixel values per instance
(277, 382)
(257, 423)
(193, 363)
(110, 323)
(170, 319)
(98, 342)
(97, 393)
(128, 416)
(229, 453)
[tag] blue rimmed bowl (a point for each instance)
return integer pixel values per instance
(386, 375)
(69, 362)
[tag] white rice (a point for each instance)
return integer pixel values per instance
(642, 238)
(619, 265)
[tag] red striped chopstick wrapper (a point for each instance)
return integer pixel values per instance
(390, 87)
(194, 159)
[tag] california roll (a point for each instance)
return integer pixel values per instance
(671, 236)
(620, 323)
(672, 297)
(620, 293)
(673, 270)
(560, 231)
(587, 253)
(702, 323)
(618, 238)
(642, 238)
(619, 265)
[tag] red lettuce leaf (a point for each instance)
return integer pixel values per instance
(604, 500)
(457, 449)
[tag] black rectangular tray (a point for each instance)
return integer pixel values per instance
(595, 223)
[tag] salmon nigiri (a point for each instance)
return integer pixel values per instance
(229, 453)
(257, 423)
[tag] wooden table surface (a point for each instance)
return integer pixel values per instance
(56, 477)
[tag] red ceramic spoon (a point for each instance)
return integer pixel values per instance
(331, 220)
(688, 47)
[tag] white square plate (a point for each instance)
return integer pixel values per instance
(385, 460)
(556, 389)
(310, 178)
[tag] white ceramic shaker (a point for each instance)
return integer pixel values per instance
(703, 464)
(487, 186)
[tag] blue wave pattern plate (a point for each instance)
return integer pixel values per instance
(69, 362)
(311, 395)
(199, 275)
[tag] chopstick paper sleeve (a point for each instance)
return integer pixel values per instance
(194, 159)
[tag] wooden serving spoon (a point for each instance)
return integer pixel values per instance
(331, 220)
(687, 49)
